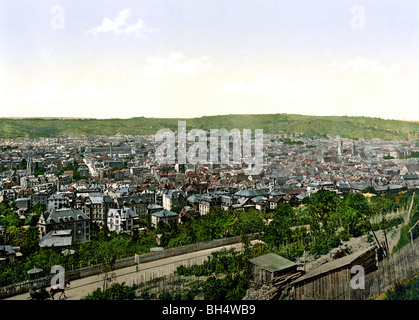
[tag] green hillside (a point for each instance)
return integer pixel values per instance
(350, 127)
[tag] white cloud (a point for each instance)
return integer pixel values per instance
(268, 85)
(120, 25)
(176, 64)
(363, 65)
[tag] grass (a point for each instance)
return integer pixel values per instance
(404, 290)
(349, 127)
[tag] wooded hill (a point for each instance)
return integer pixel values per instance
(348, 127)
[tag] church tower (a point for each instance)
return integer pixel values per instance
(29, 163)
(340, 146)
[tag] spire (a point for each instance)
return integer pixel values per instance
(29, 166)
(340, 145)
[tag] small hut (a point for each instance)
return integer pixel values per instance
(270, 266)
(35, 273)
(331, 281)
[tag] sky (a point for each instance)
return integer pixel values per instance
(193, 58)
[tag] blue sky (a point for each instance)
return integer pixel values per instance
(186, 58)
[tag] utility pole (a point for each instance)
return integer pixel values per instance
(408, 219)
(375, 237)
(410, 209)
(410, 231)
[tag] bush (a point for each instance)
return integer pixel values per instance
(117, 291)
(294, 250)
(324, 243)
(170, 295)
(232, 287)
(409, 291)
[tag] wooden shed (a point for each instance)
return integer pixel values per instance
(270, 266)
(332, 280)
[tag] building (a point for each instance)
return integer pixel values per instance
(261, 203)
(9, 253)
(66, 219)
(208, 201)
(40, 197)
(57, 238)
(193, 201)
(187, 213)
(174, 199)
(96, 206)
(23, 204)
(57, 201)
(274, 201)
(25, 193)
(168, 217)
(124, 220)
(138, 203)
(4, 235)
(325, 282)
(270, 266)
(151, 208)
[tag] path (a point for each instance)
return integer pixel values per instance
(81, 287)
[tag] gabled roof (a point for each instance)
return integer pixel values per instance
(57, 196)
(164, 214)
(335, 264)
(124, 213)
(273, 262)
(66, 215)
(99, 197)
(250, 193)
(277, 193)
(194, 198)
(175, 193)
(276, 198)
(8, 249)
(56, 239)
(259, 199)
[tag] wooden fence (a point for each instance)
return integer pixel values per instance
(397, 267)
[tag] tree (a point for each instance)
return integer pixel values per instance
(231, 287)
(108, 264)
(10, 220)
(10, 217)
(38, 170)
(322, 205)
(176, 209)
(27, 239)
(23, 164)
(278, 231)
(358, 202)
(211, 226)
(352, 213)
(248, 221)
(236, 286)
(212, 289)
(350, 220)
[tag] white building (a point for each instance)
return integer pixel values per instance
(57, 201)
(122, 220)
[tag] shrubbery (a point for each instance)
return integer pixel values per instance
(117, 291)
